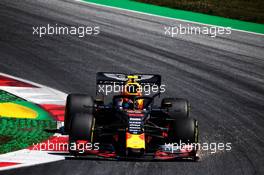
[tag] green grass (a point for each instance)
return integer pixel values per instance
(7, 97)
(245, 10)
(17, 134)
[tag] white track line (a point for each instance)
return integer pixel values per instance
(27, 158)
(41, 95)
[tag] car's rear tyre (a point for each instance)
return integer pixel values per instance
(184, 130)
(76, 103)
(81, 128)
(176, 107)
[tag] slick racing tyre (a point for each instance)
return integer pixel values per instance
(176, 107)
(184, 130)
(76, 103)
(81, 128)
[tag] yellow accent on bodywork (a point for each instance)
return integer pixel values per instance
(132, 77)
(134, 141)
(12, 110)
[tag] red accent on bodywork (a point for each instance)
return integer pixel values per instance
(164, 134)
(142, 136)
(57, 111)
(81, 141)
(6, 81)
(184, 153)
(5, 164)
(164, 156)
(187, 148)
(107, 154)
(128, 135)
(135, 115)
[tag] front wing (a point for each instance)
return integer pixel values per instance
(162, 154)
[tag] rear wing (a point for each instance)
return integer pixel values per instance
(121, 78)
(110, 78)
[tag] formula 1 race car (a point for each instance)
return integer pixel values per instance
(130, 126)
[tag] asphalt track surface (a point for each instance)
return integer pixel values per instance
(222, 77)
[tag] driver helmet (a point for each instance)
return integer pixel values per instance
(132, 88)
